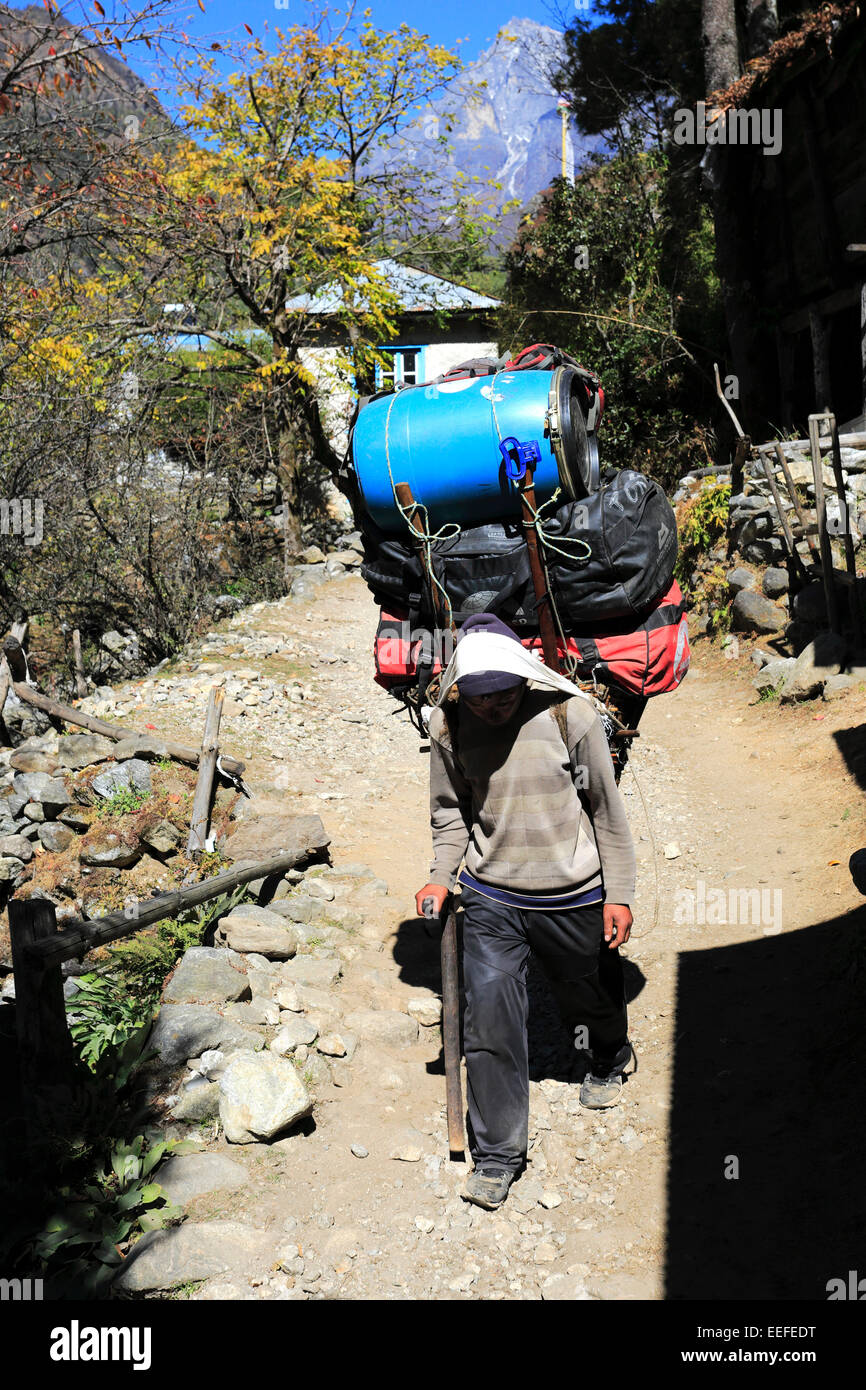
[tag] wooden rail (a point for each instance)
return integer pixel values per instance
(80, 936)
(38, 950)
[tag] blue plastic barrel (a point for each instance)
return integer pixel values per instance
(443, 440)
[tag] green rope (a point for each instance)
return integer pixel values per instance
(448, 531)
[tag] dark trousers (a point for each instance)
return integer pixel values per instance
(587, 982)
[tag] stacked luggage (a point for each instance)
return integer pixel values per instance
(608, 538)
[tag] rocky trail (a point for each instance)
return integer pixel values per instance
(717, 1176)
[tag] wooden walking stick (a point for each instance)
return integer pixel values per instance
(450, 980)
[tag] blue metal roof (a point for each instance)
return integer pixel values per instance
(418, 292)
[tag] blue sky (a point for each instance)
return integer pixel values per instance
(446, 21)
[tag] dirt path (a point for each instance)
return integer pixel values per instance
(722, 1171)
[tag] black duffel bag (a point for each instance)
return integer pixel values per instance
(630, 529)
(628, 525)
(392, 569)
(483, 569)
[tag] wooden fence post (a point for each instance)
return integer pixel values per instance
(206, 768)
(80, 681)
(45, 1052)
(821, 517)
(16, 657)
(5, 683)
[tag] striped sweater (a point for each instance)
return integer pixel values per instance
(524, 814)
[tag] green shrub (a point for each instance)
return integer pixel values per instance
(103, 1014)
(142, 962)
(124, 802)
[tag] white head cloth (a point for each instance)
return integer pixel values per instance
(492, 651)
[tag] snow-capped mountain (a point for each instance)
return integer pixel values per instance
(500, 119)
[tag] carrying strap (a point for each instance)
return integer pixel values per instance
(452, 721)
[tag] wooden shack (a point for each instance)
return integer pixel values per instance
(792, 239)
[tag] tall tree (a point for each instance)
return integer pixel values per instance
(278, 209)
(720, 44)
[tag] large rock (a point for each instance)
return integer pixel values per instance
(256, 929)
(12, 803)
(427, 1010)
(773, 673)
(384, 1026)
(835, 686)
(298, 1031)
(30, 760)
(163, 1259)
(259, 1011)
(49, 792)
(159, 836)
(820, 659)
(10, 868)
(18, 846)
(264, 836)
(132, 775)
(207, 976)
(56, 837)
(775, 582)
(79, 818)
(185, 1176)
(199, 1100)
(307, 970)
(106, 850)
(187, 1030)
(801, 472)
(753, 612)
(739, 579)
(81, 750)
(260, 1097)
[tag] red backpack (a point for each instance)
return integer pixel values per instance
(650, 659)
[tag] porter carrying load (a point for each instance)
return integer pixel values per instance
(481, 493)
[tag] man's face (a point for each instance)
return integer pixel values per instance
(498, 707)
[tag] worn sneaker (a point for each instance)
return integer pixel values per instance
(602, 1085)
(600, 1092)
(487, 1187)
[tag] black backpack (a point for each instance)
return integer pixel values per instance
(631, 531)
(628, 527)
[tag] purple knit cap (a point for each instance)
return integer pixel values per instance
(486, 682)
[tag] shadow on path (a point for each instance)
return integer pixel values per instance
(767, 1081)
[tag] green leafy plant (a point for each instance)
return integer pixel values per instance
(104, 1015)
(704, 519)
(79, 1245)
(124, 802)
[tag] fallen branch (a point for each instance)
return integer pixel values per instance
(113, 731)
